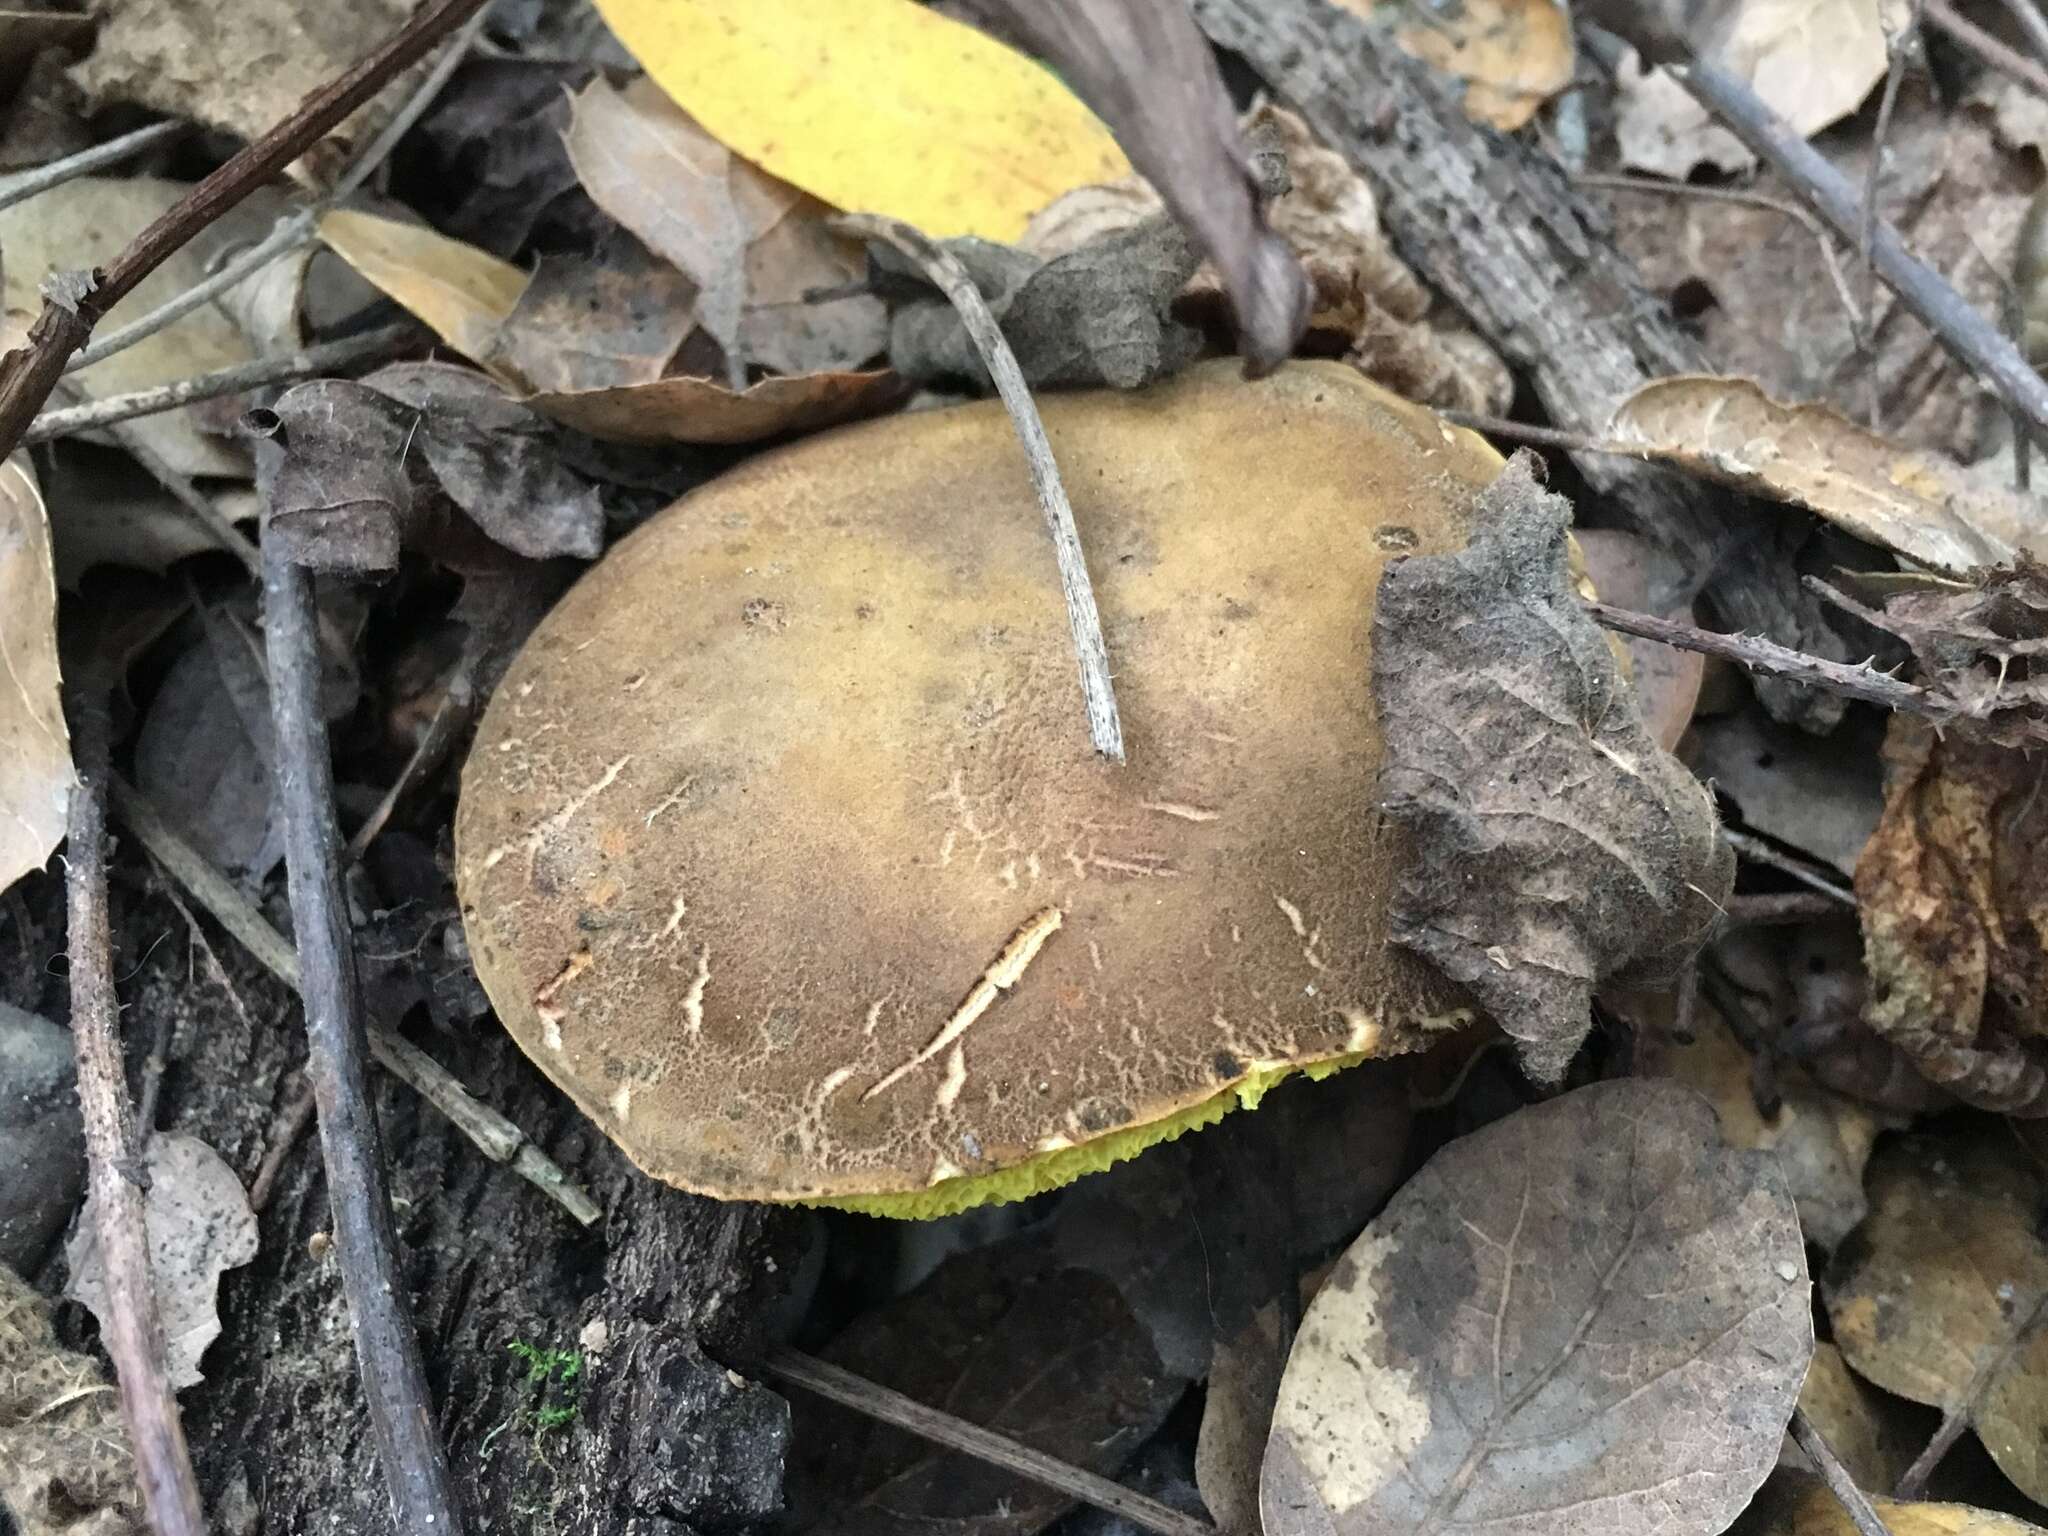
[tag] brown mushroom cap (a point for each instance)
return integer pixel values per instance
(782, 848)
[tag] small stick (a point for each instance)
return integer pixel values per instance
(21, 187)
(837, 1385)
(1896, 47)
(2028, 14)
(1987, 47)
(1776, 907)
(1757, 851)
(387, 1348)
(457, 708)
(1836, 1476)
(1774, 660)
(946, 273)
(328, 357)
(72, 307)
(491, 1131)
(284, 1135)
(131, 1327)
(1966, 334)
(1547, 437)
(1956, 1417)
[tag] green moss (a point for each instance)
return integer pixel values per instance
(1049, 1171)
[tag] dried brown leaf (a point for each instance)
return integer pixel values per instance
(701, 411)
(64, 1463)
(1150, 73)
(1237, 1418)
(1005, 1336)
(1554, 843)
(35, 748)
(199, 1225)
(1513, 55)
(1954, 894)
(599, 324)
(1798, 1503)
(1923, 506)
(1591, 1315)
(464, 293)
(1939, 1297)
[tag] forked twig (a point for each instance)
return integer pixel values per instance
(130, 1325)
(945, 272)
(838, 1385)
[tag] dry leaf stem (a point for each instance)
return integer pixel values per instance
(1974, 340)
(28, 374)
(21, 187)
(387, 1348)
(838, 1385)
(313, 362)
(1852, 1499)
(133, 1331)
(1098, 695)
(1987, 47)
(494, 1135)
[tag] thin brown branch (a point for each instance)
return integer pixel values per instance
(838, 1385)
(458, 707)
(494, 1135)
(1771, 908)
(314, 362)
(1987, 47)
(284, 1135)
(72, 308)
(1971, 338)
(130, 1326)
(945, 272)
(387, 1349)
(1843, 1486)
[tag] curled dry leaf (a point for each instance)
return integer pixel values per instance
(464, 293)
(1005, 1336)
(1798, 1503)
(1821, 1139)
(700, 411)
(887, 108)
(64, 1463)
(84, 223)
(1513, 55)
(1954, 894)
(1591, 1315)
(199, 1225)
(752, 244)
(35, 748)
(1940, 1296)
(1921, 505)
(1555, 843)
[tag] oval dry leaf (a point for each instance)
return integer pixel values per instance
(35, 750)
(465, 294)
(1937, 1298)
(1591, 1315)
(703, 411)
(887, 107)
(1927, 508)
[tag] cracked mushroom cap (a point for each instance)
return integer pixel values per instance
(783, 850)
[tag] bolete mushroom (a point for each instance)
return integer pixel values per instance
(783, 850)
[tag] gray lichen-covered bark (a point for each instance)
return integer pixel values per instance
(1493, 223)
(658, 1437)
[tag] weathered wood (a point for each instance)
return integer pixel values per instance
(1492, 223)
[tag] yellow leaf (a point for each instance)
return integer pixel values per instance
(465, 294)
(878, 106)
(1513, 54)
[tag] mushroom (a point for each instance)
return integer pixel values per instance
(783, 851)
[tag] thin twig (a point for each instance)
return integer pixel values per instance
(459, 703)
(1800, 216)
(1958, 1415)
(1771, 659)
(1988, 48)
(1930, 296)
(1836, 1476)
(1771, 908)
(495, 1136)
(284, 1135)
(130, 1325)
(313, 362)
(944, 269)
(837, 1385)
(22, 186)
(387, 1349)
(2028, 14)
(1547, 437)
(225, 982)
(295, 228)
(73, 306)
(1897, 48)
(1757, 851)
